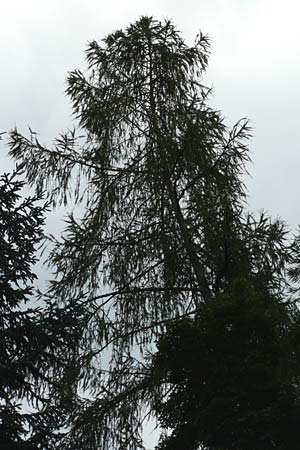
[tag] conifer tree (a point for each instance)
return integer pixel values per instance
(26, 338)
(164, 237)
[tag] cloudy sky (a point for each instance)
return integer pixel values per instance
(254, 70)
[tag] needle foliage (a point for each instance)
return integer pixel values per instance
(178, 294)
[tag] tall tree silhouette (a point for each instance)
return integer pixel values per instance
(164, 233)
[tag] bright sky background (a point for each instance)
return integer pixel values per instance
(254, 70)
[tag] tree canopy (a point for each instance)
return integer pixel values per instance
(178, 297)
(234, 372)
(26, 338)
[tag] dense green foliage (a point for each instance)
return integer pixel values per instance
(34, 339)
(23, 337)
(165, 253)
(234, 372)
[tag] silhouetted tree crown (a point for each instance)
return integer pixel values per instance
(178, 296)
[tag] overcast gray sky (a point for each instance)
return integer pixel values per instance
(254, 69)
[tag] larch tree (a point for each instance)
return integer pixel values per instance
(164, 251)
